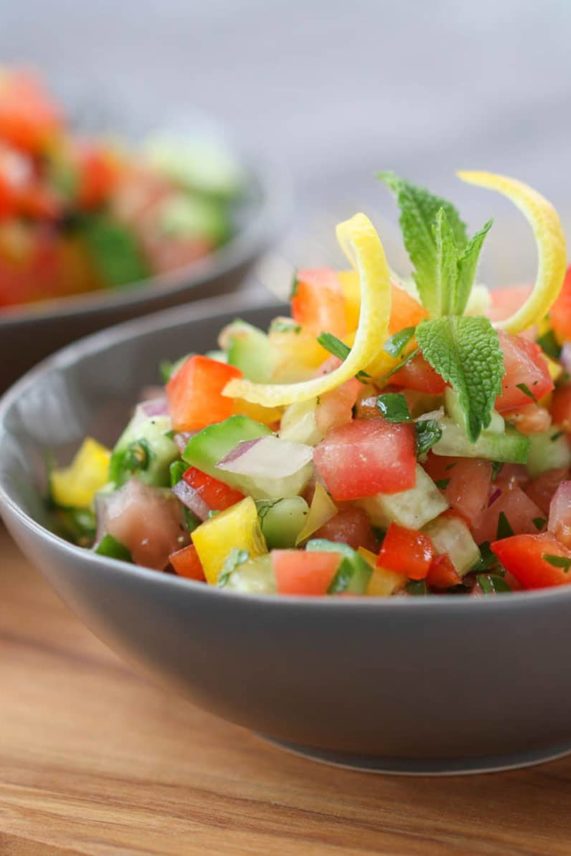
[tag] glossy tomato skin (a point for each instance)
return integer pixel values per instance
(194, 393)
(298, 572)
(186, 563)
(522, 514)
(366, 457)
(524, 557)
(560, 313)
(217, 495)
(349, 526)
(318, 303)
(465, 482)
(406, 551)
(525, 364)
(442, 574)
(420, 376)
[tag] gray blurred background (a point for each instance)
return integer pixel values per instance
(333, 91)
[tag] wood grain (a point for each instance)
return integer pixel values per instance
(95, 760)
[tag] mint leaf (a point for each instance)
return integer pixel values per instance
(446, 269)
(465, 352)
(394, 407)
(466, 269)
(428, 433)
(549, 345)
(418, 210)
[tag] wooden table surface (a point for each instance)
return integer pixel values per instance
(95, 760)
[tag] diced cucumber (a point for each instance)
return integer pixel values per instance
(144, 449)
(508, 448)
(249, 350)
(189, 217)
(354, 572)
(412, 508)
(282, 521)
(200, 163)
(548, 451)
(219, 356)
(457, 414)
(256, 576)
(210, 445)
(298, 423)
(114, 251)
(450, 535)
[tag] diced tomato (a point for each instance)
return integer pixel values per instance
(525, 369)
(37, 202)
(560, 312)
(318, 302)
(522, 514)
(405, 310)
(146, 520)
(187, 564)
(217, 495)
(542, 488)
(442, 574)
(509, 475)
(561, 407)
(419, 375)
(335, 408)
(366, 457)
(560, 514)
(406, 551)
(194, 393)
(98, 176)
(506, 301)
(530, 559)
(465, 483)
(530, 419)
(300, 572)
(28, 118)
(349, 526)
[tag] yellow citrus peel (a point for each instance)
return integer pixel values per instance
(362, 246)
(550, 240)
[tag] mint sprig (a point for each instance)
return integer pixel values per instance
(465, 352)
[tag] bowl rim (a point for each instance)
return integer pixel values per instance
(275, 201)
(209, 310)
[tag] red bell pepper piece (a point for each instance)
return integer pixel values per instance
(406, 551)
(536, 561)
(217, 495)
(442, 573)
(194, 393)
(187, 564)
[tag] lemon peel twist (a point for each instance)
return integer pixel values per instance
(361, 244)
(550, 240)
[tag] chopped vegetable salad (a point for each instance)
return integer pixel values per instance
(79, 214)
(390, 438)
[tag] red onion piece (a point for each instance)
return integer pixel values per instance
(565, 357)
(154, 407)
(181, 439)
(560, 513)
(494, 497)
(267, 457)
(190, 498)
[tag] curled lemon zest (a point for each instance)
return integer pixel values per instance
(550, 240)
(362, 246)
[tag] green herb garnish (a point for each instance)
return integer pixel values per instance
(549, 345)
(504, 528)
(394, 407)
(396, 344)
(442, 484)
(497, 467)
(492, 584)
(539, 522)
(177, 470)
(339, 349)
(416, 588)
(428, 433)
(234, 559)
(526, 390)
(113, 549)
(557, 561)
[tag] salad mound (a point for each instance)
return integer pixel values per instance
(79, 213)
(389, 438)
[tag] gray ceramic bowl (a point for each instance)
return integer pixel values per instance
(436, 685)
(30, 333)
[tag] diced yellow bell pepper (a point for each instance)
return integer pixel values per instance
(383, 583)
(237, 527)
(265, 415)
(297, 354)
(75, 486)
(321, 510)
(555, 369)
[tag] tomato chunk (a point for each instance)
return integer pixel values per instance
(442, 573)
(560, 313)
(217, 495)
(526, 369)
(506, 301)
(318, 303)
(28, 118)
(560, 514)
(336, 407)
(366, 457)
(536, 561)
(349, 526)
(561, 407)
(542, 488)
(465, 483)
(419, 375)
(299, 572)
(194, 393)
(406, 551)
(187, 564)
(521, 512)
